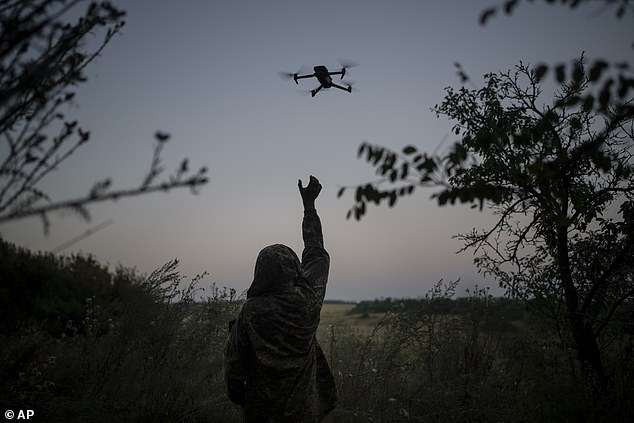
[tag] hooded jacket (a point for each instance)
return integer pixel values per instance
(274, 366)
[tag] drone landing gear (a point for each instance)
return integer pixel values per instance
(348, 88)
(316, 90)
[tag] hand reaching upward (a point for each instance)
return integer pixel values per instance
(310, 193)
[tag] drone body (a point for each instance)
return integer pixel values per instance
(324, 76)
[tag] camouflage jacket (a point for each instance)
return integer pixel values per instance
(274, 367)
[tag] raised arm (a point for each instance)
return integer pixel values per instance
(315, 259)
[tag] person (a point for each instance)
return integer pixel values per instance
(274, 367)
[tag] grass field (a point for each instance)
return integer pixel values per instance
(337, 316)
(152, 354)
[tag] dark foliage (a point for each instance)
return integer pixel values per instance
(612, 82)
(553, 174)
(88, 344)
(48, 289)
(500, 310)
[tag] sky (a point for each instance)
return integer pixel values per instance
(207, 73)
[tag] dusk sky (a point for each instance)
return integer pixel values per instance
(207, 73)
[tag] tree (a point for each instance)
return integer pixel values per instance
(613, 81)
(42, 61)
(552, 173)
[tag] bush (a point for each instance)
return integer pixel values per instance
(152, 353)
(47, 289)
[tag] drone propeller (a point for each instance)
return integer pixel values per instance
(345, 65)
(348, 63)
(285, 75)
(288, 75)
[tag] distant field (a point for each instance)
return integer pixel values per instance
(337, 315)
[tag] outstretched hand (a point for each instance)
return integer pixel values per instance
(311, 192)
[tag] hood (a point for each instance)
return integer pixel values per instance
(276, 270)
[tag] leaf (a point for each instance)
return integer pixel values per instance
(577, 73)
(404, 170)
(362, 148)
(604, 96)
(540, 72)
(377, 154)
(184, 167)
(358, 195)
(428, 165)
(620, 12)
(161, 136)
(410, 149)
(625, 84)
(357, 213)
(601, 160)
(509, 6)
(596, 70)
(577, 200)
(560, 73)
(443, 197)
(392, 198)
(487, 14)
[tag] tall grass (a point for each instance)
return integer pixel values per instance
(426, 365)
(152, 355)
(155, 354)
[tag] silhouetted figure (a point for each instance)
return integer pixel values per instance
(274, 367)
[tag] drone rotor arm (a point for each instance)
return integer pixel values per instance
(348, 88)
(296, 76)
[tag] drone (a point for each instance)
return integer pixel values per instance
(323, 75)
